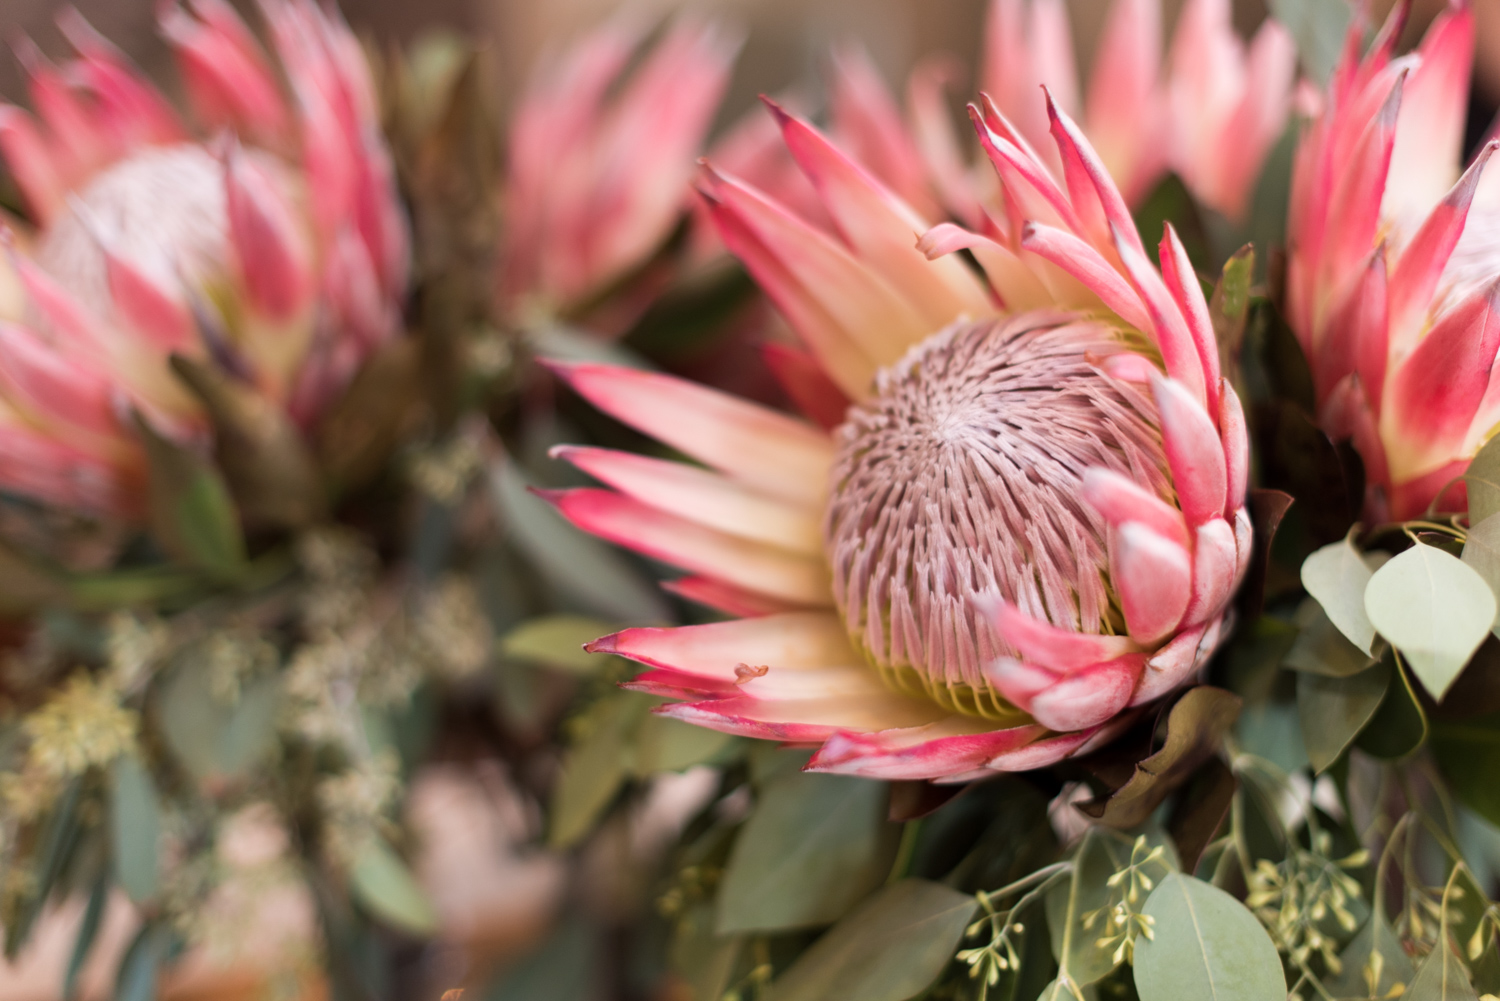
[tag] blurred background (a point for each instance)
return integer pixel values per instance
(786, 40)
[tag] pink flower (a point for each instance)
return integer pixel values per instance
(1392, 297)
(277, 247)
(996, 535)
(597, 178)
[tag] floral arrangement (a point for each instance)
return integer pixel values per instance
(855, 556)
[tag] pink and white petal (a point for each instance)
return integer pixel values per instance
(31, 163)
(1124, 88)
(1041, 643)
(818, 397)
(679, 685)
(1194, 450)
(953, 746)
(806, 720)
(881, 229)
(787, 641)
(1168, 329)
(724, 597)
(1244, 544)
(867, 123)
(1079, 259)
(773, 684)
(1119, 499)
(767, 450)
(1171, 666)
(937, 139)
(1019, 681)
(1187, 293)
(1354, 212)
(1215, 563)
(1430, 129)
(1041, 753)
(1089, 181)
(1236, 437)
(1153, 578)
(651, 532)
(1088, 697)
(1014, 284)
(700, 496)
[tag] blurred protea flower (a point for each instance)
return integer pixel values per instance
(601, 162)
(1211, 112)
(1391, 296)
(268, 241)
(1007, 530)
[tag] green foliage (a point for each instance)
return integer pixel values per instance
(1435, 609)
(135, 824)
(214, 738)
(1337, 576)
(1206, 945)
(1335, 709)
(888, 949)
(1482, 553)
(1482, 480)
(1319, 26)
(557, 641)
(382, 882)
(813, 847)
(193, 516)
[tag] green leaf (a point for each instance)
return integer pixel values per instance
(1482, 480)
(1194, 728)
(565, 968)
(1206, 946)
(889, 949)
(1441, 977)
(1230, 306)
(383, 883)
(215, 740)
(1334, 710)
(595, 767)
(1320, 648)
(1433, 608)
(1374, 936)
(1075, 937)
(813, 847)
(580, 566)
(663, 744)
(135, 826)
(137, 975)
(1273, 731)
(1468, 753)
(1399, 726)
(1319, 27)
(557, 641)
(57, 839)
(1337, 576)
(88, 931)
(193, 517)
(1482, 552)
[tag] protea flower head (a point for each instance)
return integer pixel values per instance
(269, 239)
(1211, 111)
(997, 533)
(600, 163)
(1392, 297)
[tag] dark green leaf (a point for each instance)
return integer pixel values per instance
(1230, 306)
(139, 969)
(382, 882)
(1399, 726)
(889, 949)
(135, 824)
(1469, 754)
(1200, 811)
(1335, 709)
(1074, 918)
(193, 517)
(1319, 26)
(565, 968)
(1435, 609)
(57, 839)
(1206, 946)
(813, 847)
(1195, 727)
(88, 931)
(596, 766)
(1321, 648)
(1273, 731)
(580, 566)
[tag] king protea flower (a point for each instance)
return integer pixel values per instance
(1018, 528)
(1210, 112)
(270, 240)
(1393, 299)
(599, 166)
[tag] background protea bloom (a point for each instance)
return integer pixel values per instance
(1020, 527)
(1211, 112)
(271, 241)
(600, 165)
(1392, 298)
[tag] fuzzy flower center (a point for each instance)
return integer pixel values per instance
(162, 210)
(962, 476)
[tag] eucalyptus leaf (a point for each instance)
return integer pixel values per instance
(1399, 726)
(1319, 27)
(813, 847)
(663, 744)
(889, 949)
(1206, 946)
(382, 882)
(1337, 576)
(557, 641)
(1074, 906)
(136, 979)
(582, 567)
(1468, 752)
(193, 516)
(565, 968)
(1441, 977)
(1335, 710)
(83, 943)
(1482, 552)
(596, 766)
(212, 739)
(1482, 480)
(135, 826)
(1435, 609)
(1320, 648)
(1230, 305)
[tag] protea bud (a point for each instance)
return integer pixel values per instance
(597, 178)
(1020, 527)
(269, 240)
(1392, 296)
